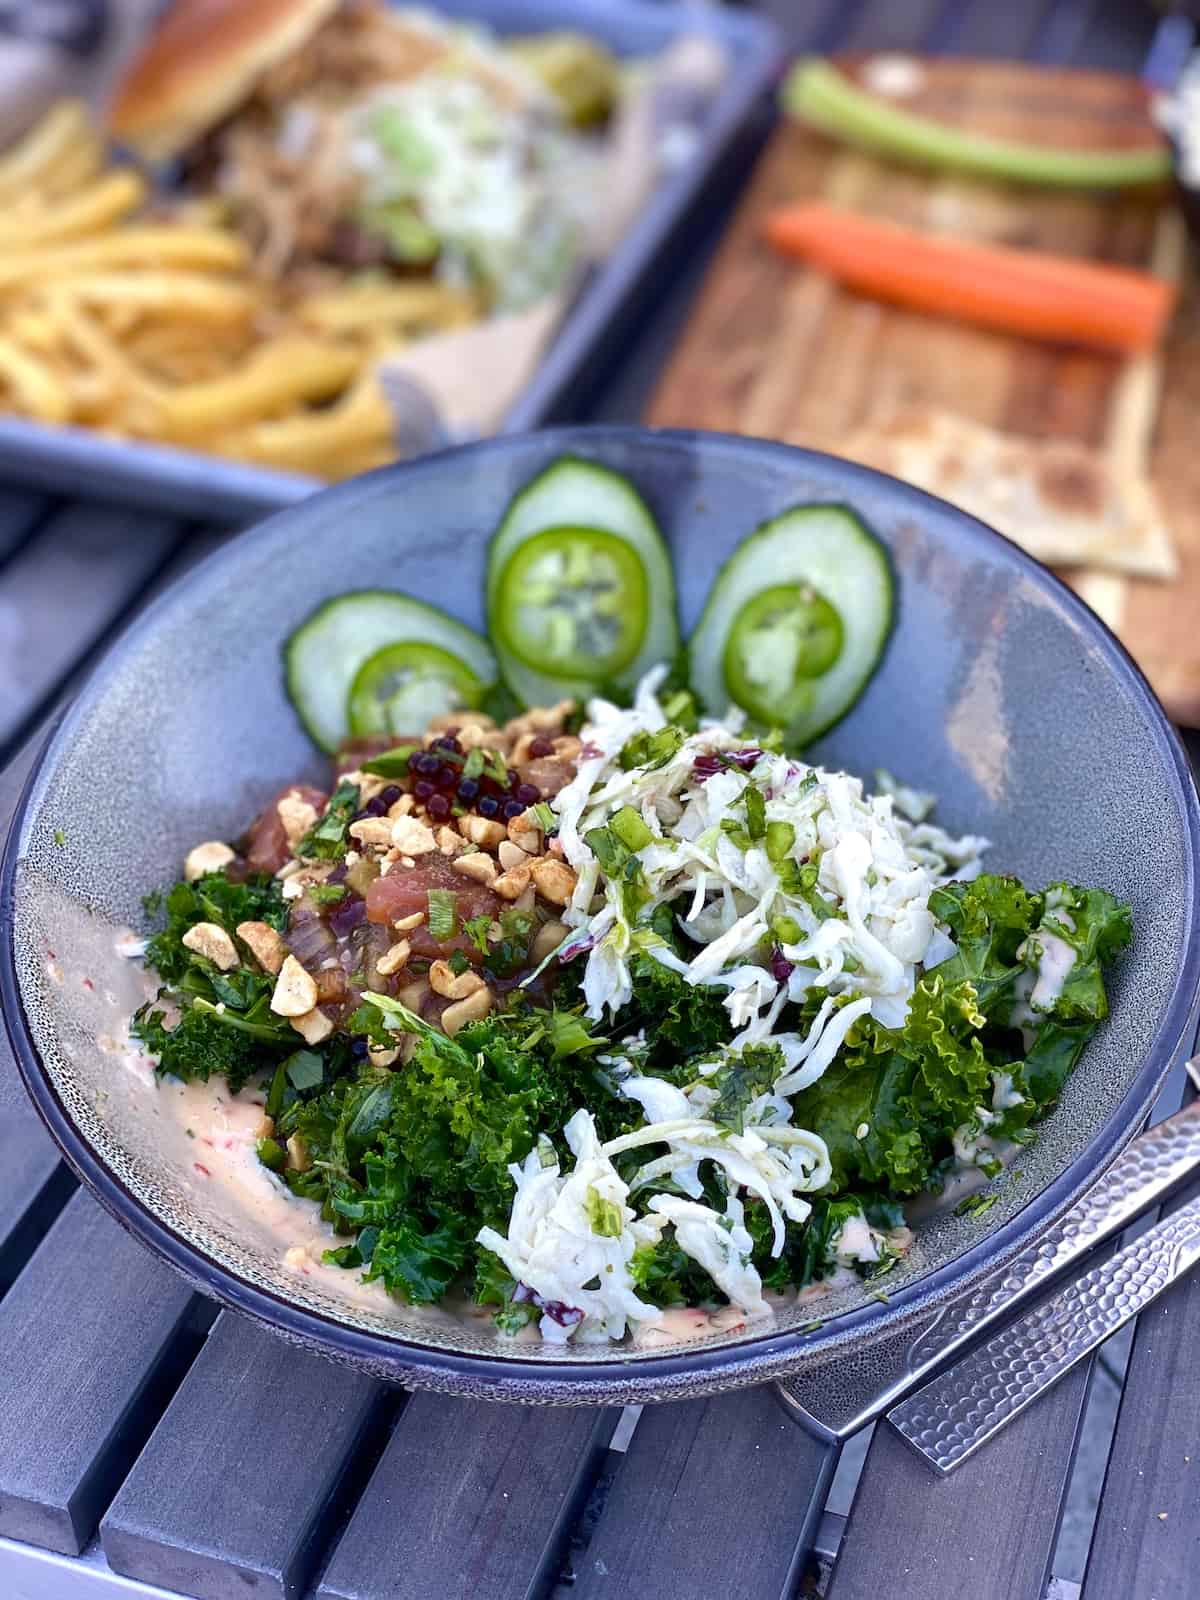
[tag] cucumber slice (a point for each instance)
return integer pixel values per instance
(575, 513)
(795, 622)
(324, 655)
(401, 688)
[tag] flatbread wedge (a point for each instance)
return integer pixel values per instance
(1061, 501)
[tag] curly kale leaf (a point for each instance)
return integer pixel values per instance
(681, 1020)
(212, 898)
(989, 919)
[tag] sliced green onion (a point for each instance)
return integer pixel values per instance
(443, 913)
(473, 765)
(756, 813)
(629, 828)
(604, 1215)
(271, 1154)
(392, 763)
(545, 817)
(828, 101)
(781, 836)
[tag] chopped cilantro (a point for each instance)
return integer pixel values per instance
(326, 839)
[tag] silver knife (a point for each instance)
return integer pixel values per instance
(1146, 1172)
(950, 1418)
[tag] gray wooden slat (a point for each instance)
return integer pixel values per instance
(89, 1335)
(1147, 1537)
(469, 1499)
(988, 1530)
(237, 1486)
(20, 512)
(62, 591)
(714, 1497)
(1063, 31)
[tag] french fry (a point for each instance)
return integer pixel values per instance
(154, 245)
(281, 374)
(359, 424)
(76, 165)
(174, 294)
(63, 126)
(33, 385)
(104, 352)
(91, 211)
(364, 308)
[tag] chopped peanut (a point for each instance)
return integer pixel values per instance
(548, 937)
(520, 751)
(483, 831)
(526, 831)
(403, 924)
(371, 830)
(393, 959)
(511, 855)
(313, 1026)
(210, 857)
(212, 942)
(454, 985)
(513, 883)
(295, 990)
(298, 1157)
(381, 1056)
(264, 1127)
(449, 841)
(297, 816)
(473, 1009)
(478, 865)
(554, 880)
(265, 945)
(477, 738)
(401, 807)
(567, 747)
(411, 837)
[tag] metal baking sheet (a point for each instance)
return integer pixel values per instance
(186, 483)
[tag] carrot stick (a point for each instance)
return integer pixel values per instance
(1018, 291)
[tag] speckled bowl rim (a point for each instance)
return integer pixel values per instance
(644, 1376)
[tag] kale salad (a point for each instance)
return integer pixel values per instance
(578, 993)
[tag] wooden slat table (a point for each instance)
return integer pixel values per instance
(149, 1446)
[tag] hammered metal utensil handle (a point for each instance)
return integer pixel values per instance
(1145, 1172)
(950, 1418)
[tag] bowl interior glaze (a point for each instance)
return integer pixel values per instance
(999, 691)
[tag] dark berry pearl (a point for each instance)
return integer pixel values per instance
(512, 808)
(488, 806)
(438, 806)
(422, 788)
(376, 807)
(449, 742)
(528, 794)
(468, 790)
(542, 747)
(426, 763)
(358, 1047)
(391, 794)
(446, 777)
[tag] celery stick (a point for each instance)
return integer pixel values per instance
(823, 97)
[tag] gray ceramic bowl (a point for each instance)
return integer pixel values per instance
(1000, 691)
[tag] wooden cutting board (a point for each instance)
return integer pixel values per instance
(778, 350)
